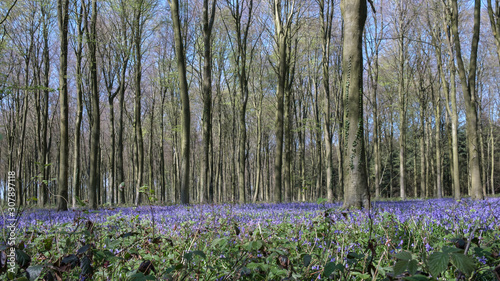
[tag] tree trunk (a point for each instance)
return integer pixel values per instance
(207, 23)
(468, 82)
(183, 86)
(95, 116)
(44, 152)
(79, 110)
(356, 193)
(63, 17)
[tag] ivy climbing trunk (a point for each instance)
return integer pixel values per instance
(356, 193)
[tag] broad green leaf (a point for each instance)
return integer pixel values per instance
(403, 256)
(400, 267)
(438, 262)
(22, 258)
(34, 272)
(307, 260)
(463, 263)
(449, 250)
(412, 267)
(330, 268)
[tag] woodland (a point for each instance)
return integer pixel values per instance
(135, 102)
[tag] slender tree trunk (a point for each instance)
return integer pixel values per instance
(139, 140)
(79, 111)
(95, 120)
(186, 114)
(423, 174)
(439, 180)
(63, 17)
(402, 122)
(207, 23)
(492, 175)
(44, 195)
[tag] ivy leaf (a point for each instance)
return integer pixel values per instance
(438, 262)
(463, 263)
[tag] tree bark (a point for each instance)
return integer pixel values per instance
(63, 17)
(468, 82)
(186, 114)
(356, 193)
(79, 110)
(95, 114)
(207, 24)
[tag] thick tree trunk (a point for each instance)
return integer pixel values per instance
(468, 82)
(356, 193)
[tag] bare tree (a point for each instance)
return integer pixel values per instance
(494, 16)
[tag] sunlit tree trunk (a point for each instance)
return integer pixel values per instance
(356, 193)
(468, 81)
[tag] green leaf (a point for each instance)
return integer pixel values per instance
(463, 263)
(47, 244)
(22, 259)
(406, 256)
(438, 262)
(330, 268)
(400, 267)
(412, 267)
(34, 272)
(189, 256)
(256, 245)
(307, 260)
(449, 250)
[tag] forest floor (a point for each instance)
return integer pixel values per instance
(435, 239)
